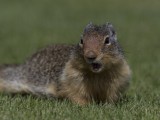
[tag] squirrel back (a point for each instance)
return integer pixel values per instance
(39, 74)
(93, 70)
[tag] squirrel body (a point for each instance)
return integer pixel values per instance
(94, 70)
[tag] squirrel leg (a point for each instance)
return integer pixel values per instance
(80, 100)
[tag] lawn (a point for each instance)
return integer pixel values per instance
(26, 26)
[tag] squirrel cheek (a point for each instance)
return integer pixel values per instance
(81, 45)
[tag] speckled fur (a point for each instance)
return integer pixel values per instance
(61, 71)
(39, 74)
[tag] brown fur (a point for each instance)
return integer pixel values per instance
(86, 87)
(93, 71)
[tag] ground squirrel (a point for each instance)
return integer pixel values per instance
(94, 70)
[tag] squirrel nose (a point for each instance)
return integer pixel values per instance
(91, 56)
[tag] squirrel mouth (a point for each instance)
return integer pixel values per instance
(96, 67)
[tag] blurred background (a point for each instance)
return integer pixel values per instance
(26, 26)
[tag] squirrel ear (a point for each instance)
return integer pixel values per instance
(111, 30)
(89, 26)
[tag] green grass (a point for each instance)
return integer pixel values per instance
(26, 26)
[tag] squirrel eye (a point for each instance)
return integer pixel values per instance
(81, 42)
(107, 41)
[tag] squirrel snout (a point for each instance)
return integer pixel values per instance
(90, 56)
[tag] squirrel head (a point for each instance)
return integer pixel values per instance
(99, 47)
